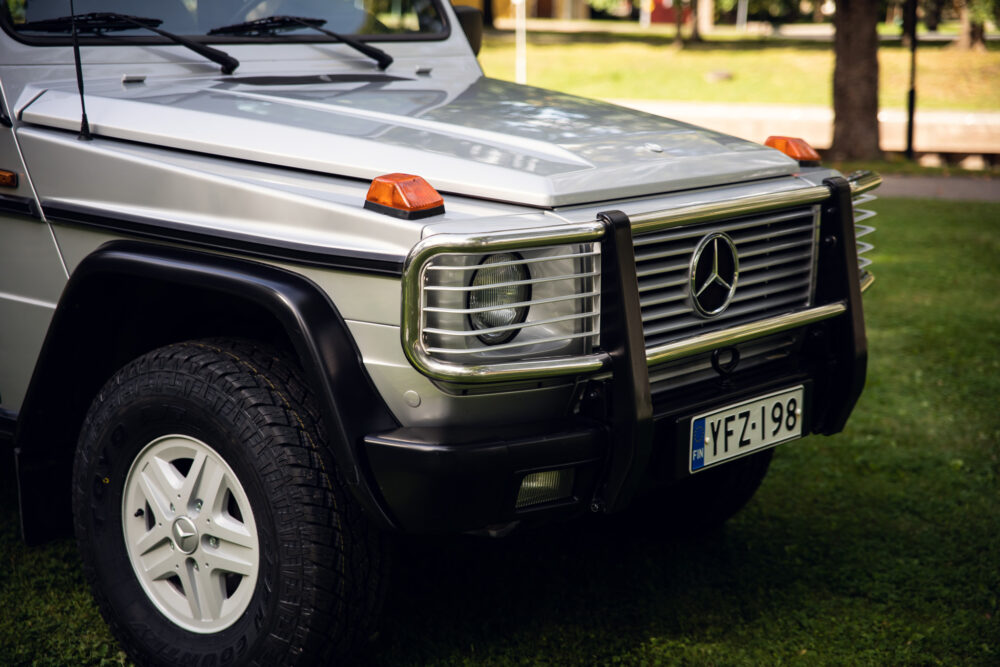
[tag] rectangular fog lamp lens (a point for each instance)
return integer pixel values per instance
(544, 487)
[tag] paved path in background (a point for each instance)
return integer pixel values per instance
(806, 32)
(956, 188)
(974, 133)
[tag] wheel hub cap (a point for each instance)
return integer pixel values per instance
(190, 534)
(185, 534)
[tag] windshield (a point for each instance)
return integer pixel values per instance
(198, 17)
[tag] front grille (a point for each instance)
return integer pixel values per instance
(776, 259)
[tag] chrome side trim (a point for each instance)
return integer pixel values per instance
(863, 181)
(650, 222)
(742, 333)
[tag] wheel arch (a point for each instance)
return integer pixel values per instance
(130, 297)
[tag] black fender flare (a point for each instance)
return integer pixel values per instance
(64, 383)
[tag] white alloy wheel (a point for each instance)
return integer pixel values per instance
(190, 534)
(213, 524)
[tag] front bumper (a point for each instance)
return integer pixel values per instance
(616, 438)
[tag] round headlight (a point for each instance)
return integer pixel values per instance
(496, 287)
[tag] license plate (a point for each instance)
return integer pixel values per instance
(735, 430)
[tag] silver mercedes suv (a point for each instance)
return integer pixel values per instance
(282, 279)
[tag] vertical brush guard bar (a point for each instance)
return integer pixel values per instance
(631, 404)
(840, 280)
(840, 377)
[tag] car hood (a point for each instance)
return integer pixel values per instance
(490, 139)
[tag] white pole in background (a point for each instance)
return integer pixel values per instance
(520, 41)
(741, 15)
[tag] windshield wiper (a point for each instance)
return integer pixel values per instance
(101, 22)
(269, 26)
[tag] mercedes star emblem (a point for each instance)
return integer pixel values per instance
(185, 534)
(715, 269)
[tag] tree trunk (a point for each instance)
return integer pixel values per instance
(679, 22)
(932, 14)
(855, 81)
(488, 14)
(695, 29)
(971, 34)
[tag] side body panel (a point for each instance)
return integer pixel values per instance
(31, 275)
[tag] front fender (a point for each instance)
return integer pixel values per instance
(98, 326)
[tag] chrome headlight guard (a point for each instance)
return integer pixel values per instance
(458, 255)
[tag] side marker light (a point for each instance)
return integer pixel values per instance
(795, 148)
(404, 196)
(8, 179)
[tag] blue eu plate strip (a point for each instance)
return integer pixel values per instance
(698, 445)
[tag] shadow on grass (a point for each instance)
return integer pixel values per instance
(595, 590)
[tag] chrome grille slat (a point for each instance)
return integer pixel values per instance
(733, 316)
(651, 286)
(655, 270)
(772, 234)
(769, 261)
(775, 249)
(696, 329)
(706, 228)
(776, 265)
(746, 281)
(659, 301)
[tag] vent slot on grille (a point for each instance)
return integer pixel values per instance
(860, 230)
(776, 272)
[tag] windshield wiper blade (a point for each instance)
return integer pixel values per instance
(272, 24)
(101, 22)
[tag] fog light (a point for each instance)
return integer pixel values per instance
(544, 487)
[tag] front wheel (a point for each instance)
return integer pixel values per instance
(212, 523)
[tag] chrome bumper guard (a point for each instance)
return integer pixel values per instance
(597, 231)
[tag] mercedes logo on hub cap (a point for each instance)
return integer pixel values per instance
(715, 268)
(185, 534)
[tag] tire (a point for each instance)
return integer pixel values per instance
(211, 521)
(704, 501)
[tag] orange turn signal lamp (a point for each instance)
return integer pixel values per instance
(404, 196)
(795, 148)
(8, 179)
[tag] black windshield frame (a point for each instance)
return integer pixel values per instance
(289, 38)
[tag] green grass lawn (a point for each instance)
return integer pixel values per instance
(764, 70)
(876, 546)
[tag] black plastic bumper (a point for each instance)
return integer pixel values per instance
(438, 480)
